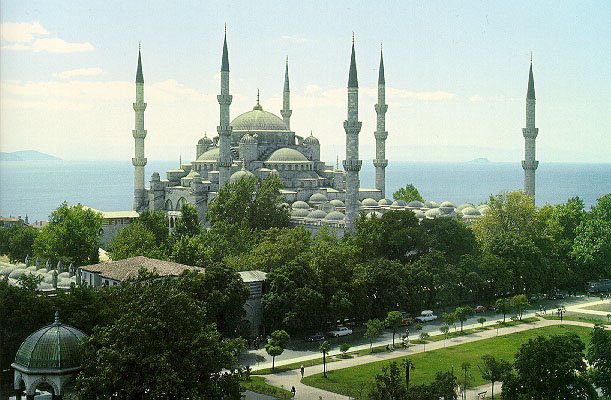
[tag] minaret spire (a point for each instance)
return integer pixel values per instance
(352, 127)
(224, 128)
(529, 164)
(139, 133)
(380, 162)
(286, 111)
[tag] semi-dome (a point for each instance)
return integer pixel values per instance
(337, 203)
(318, 198)
(317, 214)
(54, 347)
(415, 204)
(299, 213)
(258, 120)
(300, 205)
(236, 176)
(211, 155)
(334, 216)
(287, 155)
(369, 202)
(248, 139)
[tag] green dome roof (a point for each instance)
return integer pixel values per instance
(258, 120)
(54, 347)
(285, 154)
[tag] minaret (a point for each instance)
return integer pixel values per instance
(529, 164)
(224, 128)
(286, 98)
(352, 164)
(380, 162)
(139, 133)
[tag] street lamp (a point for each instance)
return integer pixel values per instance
(560, 312)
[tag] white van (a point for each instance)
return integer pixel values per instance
(426, 316)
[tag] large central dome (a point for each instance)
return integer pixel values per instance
(258, 120)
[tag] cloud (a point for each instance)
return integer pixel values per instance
(58, 45)
(295, 39)
(476, 97)
(21, 32)
(81, 72)
(15, 46)
(393, 93)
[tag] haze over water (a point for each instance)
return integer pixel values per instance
(37, 188)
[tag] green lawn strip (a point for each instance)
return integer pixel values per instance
(346, 381)
(295, 365)
(258, 384)
(600, 307)
(579, 318)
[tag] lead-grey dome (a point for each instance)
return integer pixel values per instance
(287, 155)
(415, 204)
(385, 202)
(236, 176)
(318, 198)
(336, 203)
(258, 120)
(54, 347)
(205, 140)
(369, 202)
(211, 155)
(317, 214)
(300, 205)
(248, 139)
(334, 216)
(299, 213)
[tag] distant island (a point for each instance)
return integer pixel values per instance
(27, 155)
(481, 160)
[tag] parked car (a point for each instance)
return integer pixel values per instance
(315, 337)
(340, 331)
(479, 309)
(426, 316)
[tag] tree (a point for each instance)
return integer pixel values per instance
(408, 193)
(424, 337)
(503, 306)
(71, 236)
(157, 223)
(324, 348)
(408, 365)
(388, 385)
(520, 303)
(375, 328)
(599, 357)
(445, 329)
(393, 321)
(465, 366)
(450, 236)
(246, 202)
(280, 339)
(188, 224)
(481, 320)
(462, 314)
(344, 347)
(592, 245)
(444, 386)
(135, 240)
(550, 368)
(493, 370)
(19, 240)
(159, 341)
(450, 319)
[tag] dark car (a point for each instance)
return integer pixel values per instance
(316, 337)
(479, 309)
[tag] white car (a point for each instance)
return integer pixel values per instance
(426, 316)
(340, 331)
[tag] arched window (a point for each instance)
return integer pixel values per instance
(180, 203)
(168, 205)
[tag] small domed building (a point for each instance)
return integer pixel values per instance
(50, 356)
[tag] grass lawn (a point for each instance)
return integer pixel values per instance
(258, 384)
(589, 318)
(356, 380)
(606, 306)
(296, 365)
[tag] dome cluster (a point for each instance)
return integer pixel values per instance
(51, 278)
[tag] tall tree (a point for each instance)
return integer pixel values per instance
(462, 314)
(280, 339)
(375, 328)
(520, 303)
(592, 244)
(408, 193)
(324, 348)
(493, 370)
(19, 241)
(599, 357)
(388, 384)
(136, 240)
(71, 236)
(503, 306)
(393, 321)
(188, 224)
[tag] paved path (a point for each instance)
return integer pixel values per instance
(293, 378)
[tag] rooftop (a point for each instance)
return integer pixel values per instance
(129, 267)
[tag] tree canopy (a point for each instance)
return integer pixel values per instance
(407, 194)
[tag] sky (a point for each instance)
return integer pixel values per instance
(456, 75)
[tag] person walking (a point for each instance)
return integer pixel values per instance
(302, 371)
(293, 391)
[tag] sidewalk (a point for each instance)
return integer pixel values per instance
(293, 377)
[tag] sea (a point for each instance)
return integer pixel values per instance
(36, 188)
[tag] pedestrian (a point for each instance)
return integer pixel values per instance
(293, 391)
(302, 371)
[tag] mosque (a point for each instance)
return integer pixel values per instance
(261, 144)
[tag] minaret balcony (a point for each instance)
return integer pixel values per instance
(380, 163)
(224, 129)
(380, 135)
(224, 99)
(138, 162)
(530, 133)
(530, 165)
(381, 108)
(139, 134)
(352, 165)
(352, 127)
(139, 107)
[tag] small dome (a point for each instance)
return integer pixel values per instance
(236, 176)
(430, 204)
(483, 209)
(285, 154)
(447, 204)
(317, 214)
(337, 203)
(205, 141)
(369, 202)
(334, 216)
(433, 213)
(299, 213)
(247, 139)
(310, 140)
(16, 273)
(55, 347)
(470, 211)
(300, 205)
(419, 214)
(211, 155)
(192, 174)
(318, 198)
(399, 203)
(384, 202)
(415, 204)
(464, 205)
